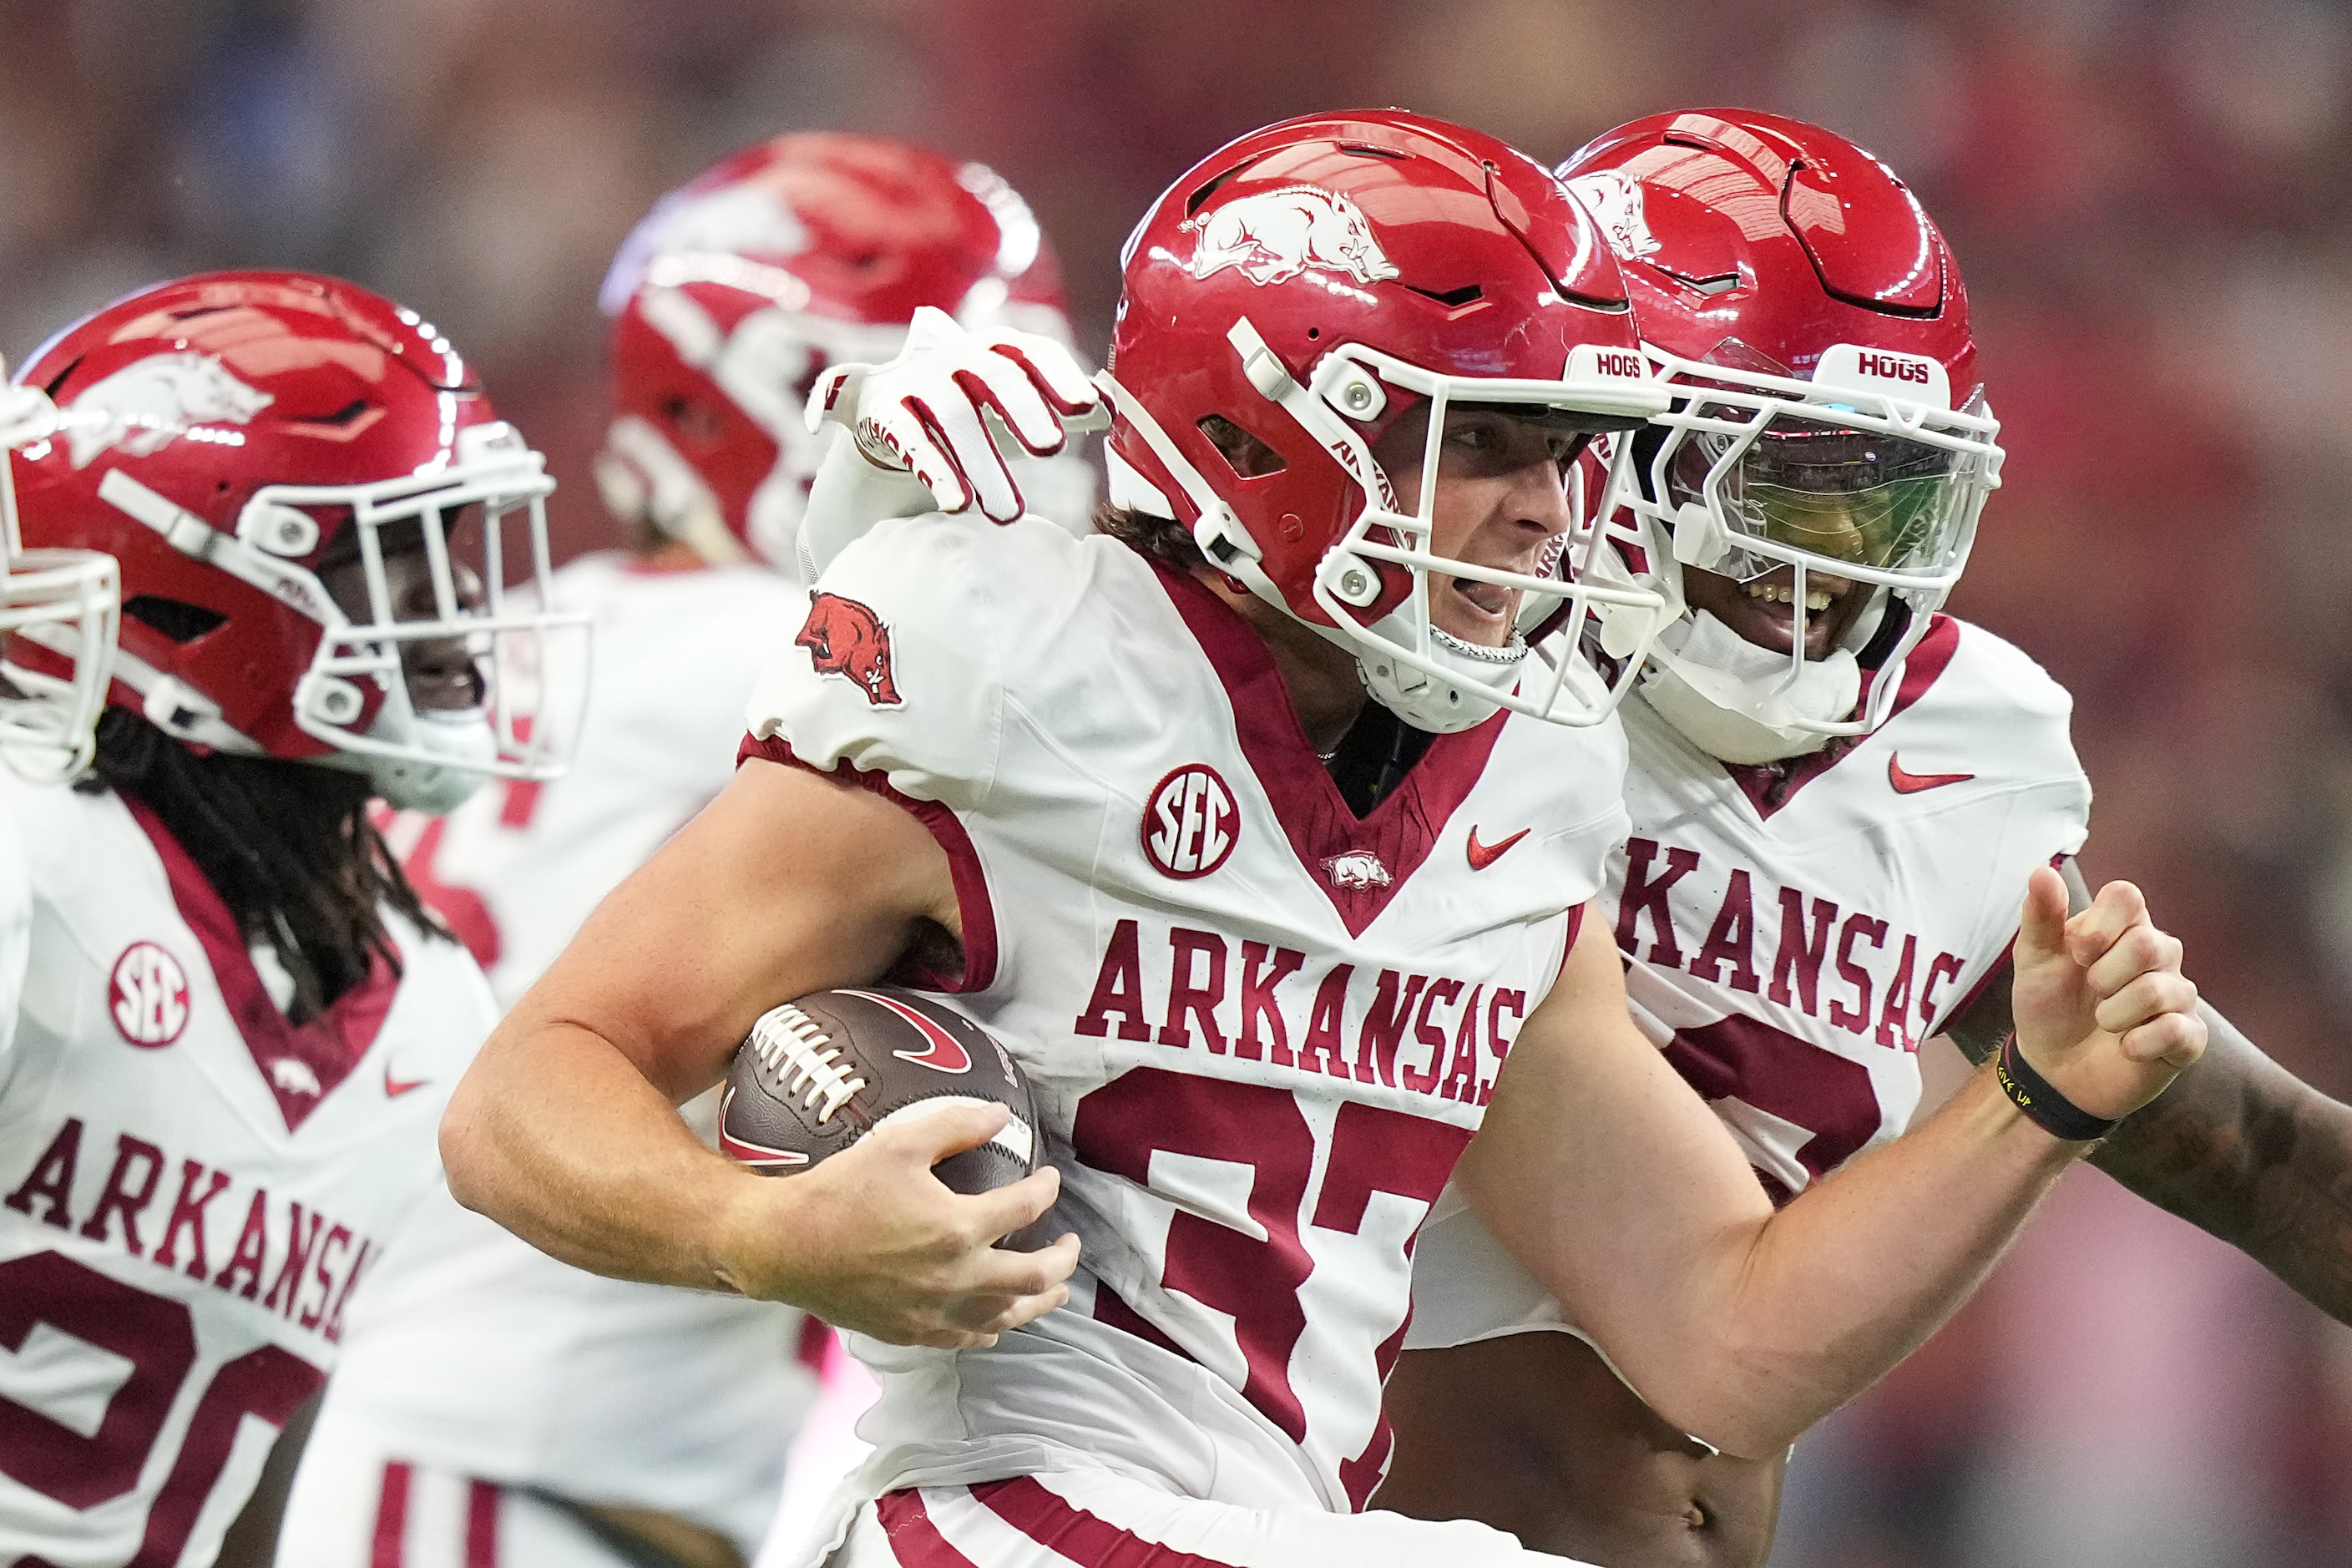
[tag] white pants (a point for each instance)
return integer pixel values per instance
(1094, 1519)
(354, 1509)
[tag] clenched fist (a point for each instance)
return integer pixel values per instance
(2102, 1011)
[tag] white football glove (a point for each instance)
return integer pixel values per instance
(930, 410)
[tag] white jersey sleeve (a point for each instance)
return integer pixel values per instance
(900, 668)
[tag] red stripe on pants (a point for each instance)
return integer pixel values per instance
(915, 1541)
(391, 1517)
(481, 1525)
(1046, 1519)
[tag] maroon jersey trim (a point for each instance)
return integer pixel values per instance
(390, 1538)
(1920, 671)
(1401, 829)
(1087, 1538)
(329, 1045)
(915, 1541)
(979, 971)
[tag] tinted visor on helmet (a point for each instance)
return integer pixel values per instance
(1841, 498)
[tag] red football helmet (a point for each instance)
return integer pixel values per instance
(1312, 284)
(237, 440)
(1829, 422)
(62, 598)
(741, 287)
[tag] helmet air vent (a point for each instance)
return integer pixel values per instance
(1248, 457)
(175, 618)
(1469, 294)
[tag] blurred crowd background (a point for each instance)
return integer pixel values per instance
(2149, 198)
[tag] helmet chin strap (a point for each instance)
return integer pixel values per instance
(1724, 693)
(1426, 702)
(463, 737)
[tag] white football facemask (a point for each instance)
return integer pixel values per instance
(1842, 476)
(1429, 678)
(529, 659)
(67, 601)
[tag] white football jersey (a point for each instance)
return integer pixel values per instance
(1790, 940)
(190, 1187)
(1260, 1029)
(476, 1351)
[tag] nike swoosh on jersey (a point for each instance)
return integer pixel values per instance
(1485, 855)
(1907, 783)
(394, 1088)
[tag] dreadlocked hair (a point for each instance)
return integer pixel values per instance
(287, 846)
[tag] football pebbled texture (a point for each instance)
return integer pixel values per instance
(817, 1074)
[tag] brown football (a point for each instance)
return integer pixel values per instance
(817, 1074)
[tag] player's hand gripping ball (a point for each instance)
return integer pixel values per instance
(816, 1075)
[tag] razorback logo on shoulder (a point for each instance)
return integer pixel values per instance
(846, 639)
(1614, 199)
(1274, 235)
(150, 403)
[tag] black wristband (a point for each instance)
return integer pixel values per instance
(2044, 1106)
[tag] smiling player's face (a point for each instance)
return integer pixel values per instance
(1502, 497)
(1764, 610)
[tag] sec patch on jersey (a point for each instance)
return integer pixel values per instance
(817, 1074)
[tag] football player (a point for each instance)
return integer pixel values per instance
(239, 1025)
(486, 1387)
(1837, 793)
(1257, 835)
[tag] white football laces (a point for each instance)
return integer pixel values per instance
(795, 1048)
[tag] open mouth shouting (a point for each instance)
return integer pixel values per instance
(1485, 603)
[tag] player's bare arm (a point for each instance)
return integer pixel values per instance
(789, 883)
(2240, 1148)
(1744, 1326)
